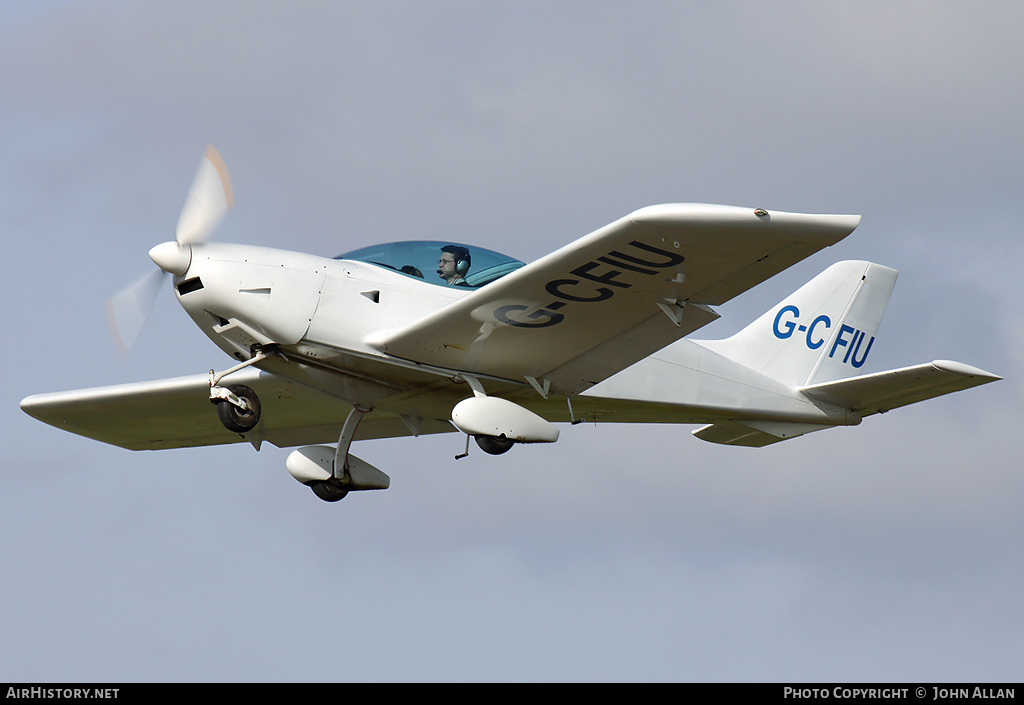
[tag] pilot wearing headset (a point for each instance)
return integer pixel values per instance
(454, 264)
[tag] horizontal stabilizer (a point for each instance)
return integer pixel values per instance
(882, 391)
(862, 396)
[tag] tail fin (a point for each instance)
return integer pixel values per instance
(822, 332)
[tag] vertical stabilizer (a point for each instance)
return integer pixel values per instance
(822, 332)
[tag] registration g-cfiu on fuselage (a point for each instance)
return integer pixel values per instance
(423, 337)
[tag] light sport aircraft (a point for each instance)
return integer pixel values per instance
(421, 337)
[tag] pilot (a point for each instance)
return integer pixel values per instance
(454, 264)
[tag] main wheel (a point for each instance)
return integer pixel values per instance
(235, 419)
(329, 490)
(495, 445)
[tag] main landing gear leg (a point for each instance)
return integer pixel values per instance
(337, 487)
(332, 472)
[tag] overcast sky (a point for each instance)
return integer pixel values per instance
(891, 551)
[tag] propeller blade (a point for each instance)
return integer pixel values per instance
(128, 310)
(209, 199)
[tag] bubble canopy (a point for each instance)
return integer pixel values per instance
(419, 259)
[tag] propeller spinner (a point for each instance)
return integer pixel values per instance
(209, 199)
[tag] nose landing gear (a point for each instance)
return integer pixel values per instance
(238, 408)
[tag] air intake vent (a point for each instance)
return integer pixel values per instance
(190, 285)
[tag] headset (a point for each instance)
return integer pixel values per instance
(462, 258)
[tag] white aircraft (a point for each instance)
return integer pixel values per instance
(413, 338)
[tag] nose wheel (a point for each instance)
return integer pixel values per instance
(238, 409)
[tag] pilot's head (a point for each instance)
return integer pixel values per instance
(454, 264)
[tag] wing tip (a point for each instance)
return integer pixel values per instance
(963, 369)
(27, 404)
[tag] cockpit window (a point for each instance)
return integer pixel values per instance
(437, 262)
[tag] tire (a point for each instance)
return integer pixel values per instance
(328, 491)
(494, 445)
(233, 418)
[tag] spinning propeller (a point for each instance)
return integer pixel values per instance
(209, 199)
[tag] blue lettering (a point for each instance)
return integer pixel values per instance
(787, 322)
(788, 325)
(840, 340)
(810, 331)
(853, 344)
(860, 363)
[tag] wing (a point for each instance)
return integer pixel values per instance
(177, 413)
(615, 296)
